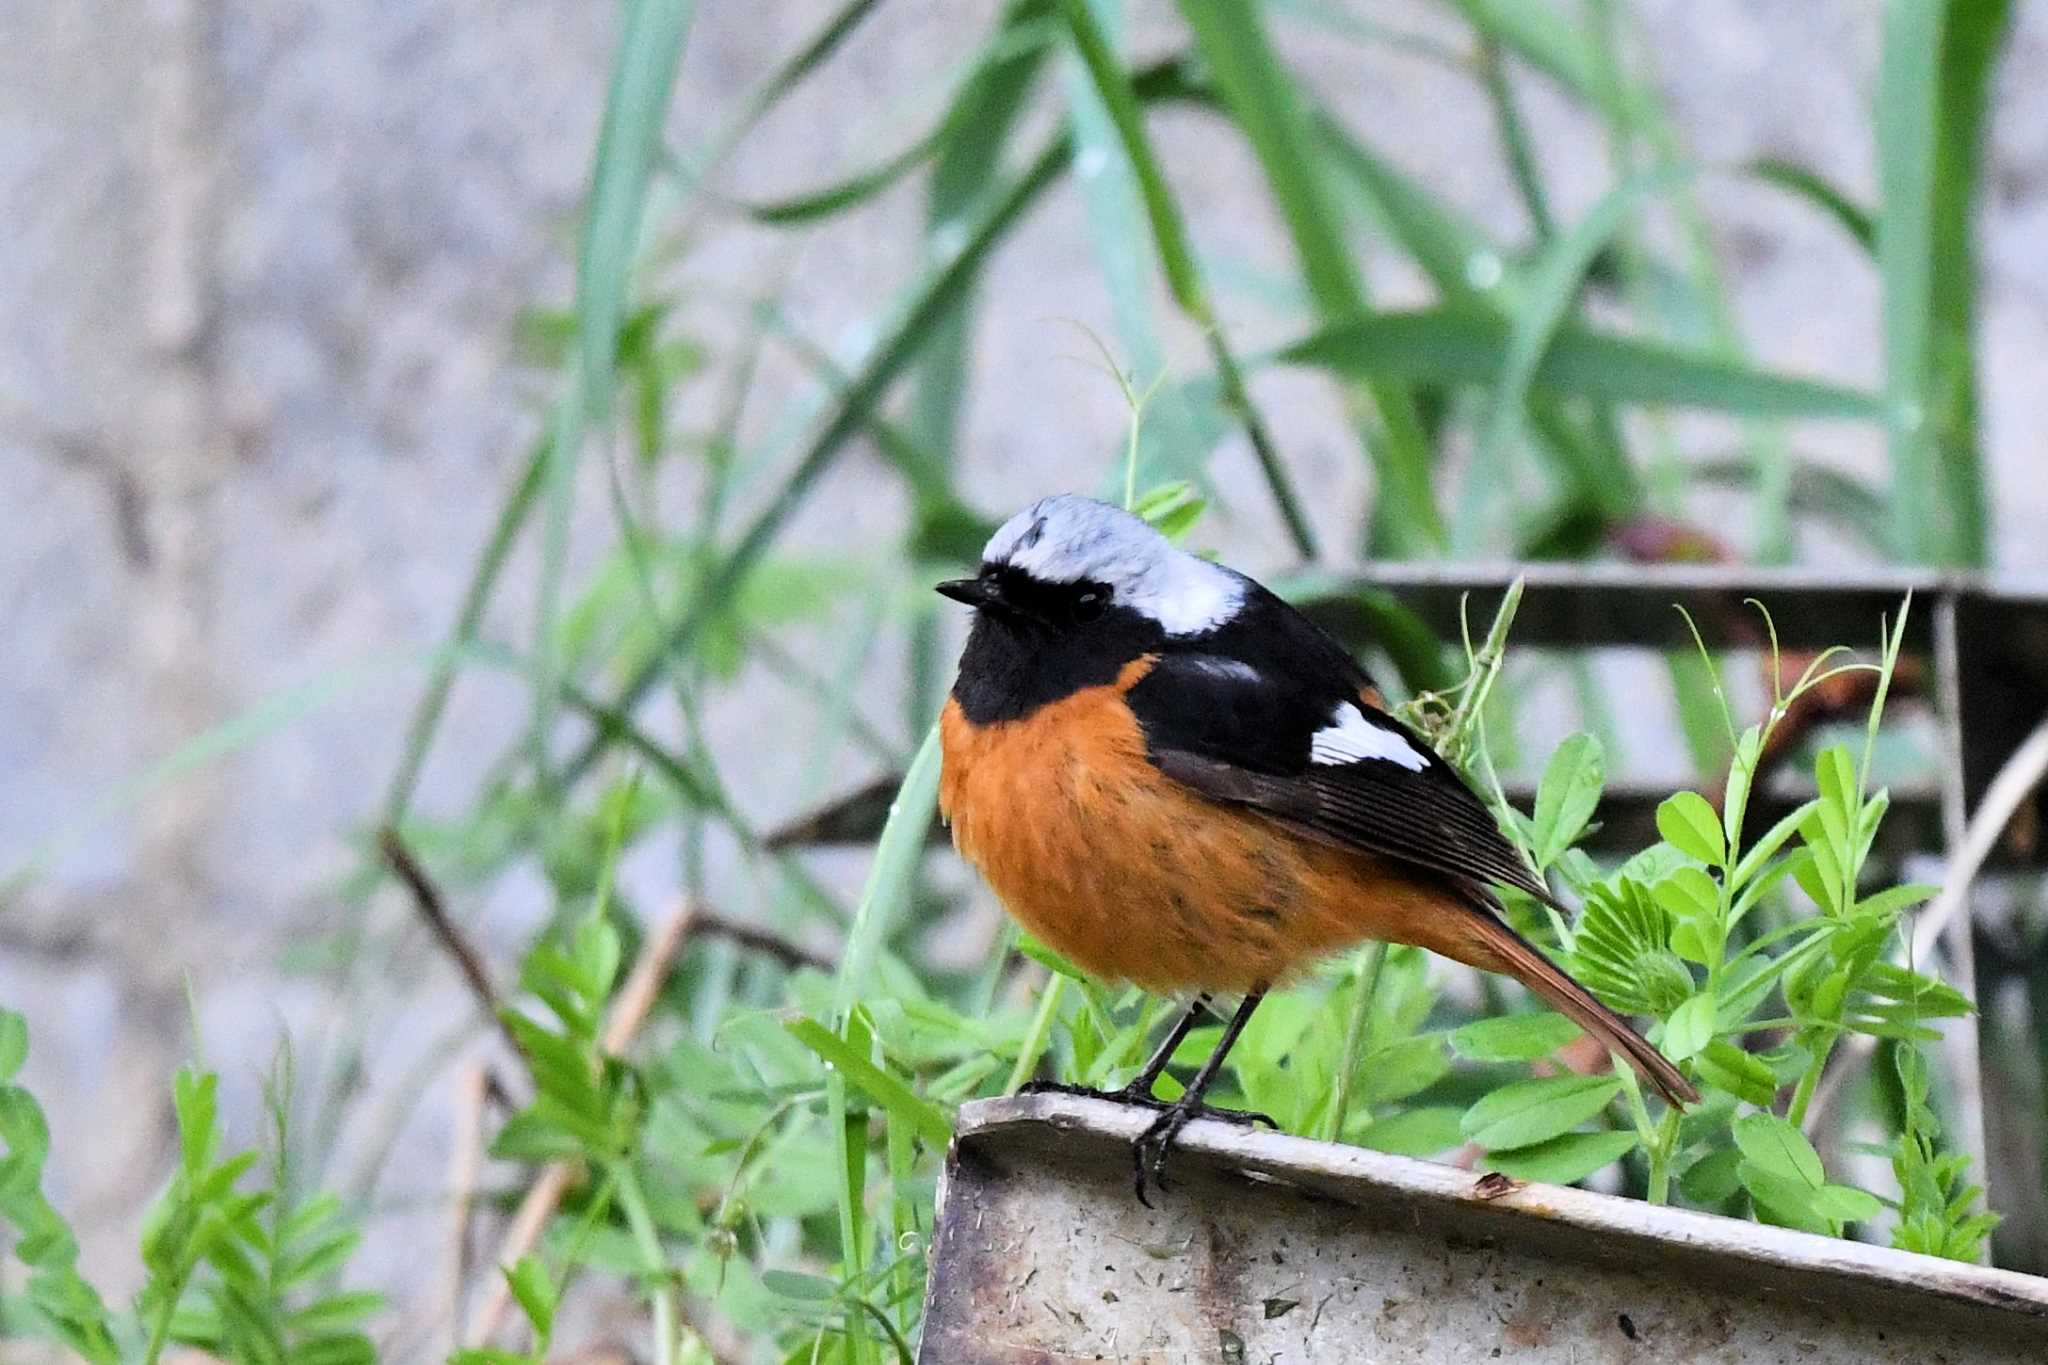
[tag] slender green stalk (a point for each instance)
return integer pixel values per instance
(1033, 1046)
(1261, 96)
(1514, 139)
(483, 581)
(654, 1268)
(1357, 1033)
(1908, 115)
(1660, 1153)
(643, 77)
(1177, 259)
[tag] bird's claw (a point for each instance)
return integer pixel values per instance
(1151, 1148)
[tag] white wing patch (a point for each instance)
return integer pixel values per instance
(1351, 738)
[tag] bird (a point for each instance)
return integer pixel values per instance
(1174, 779)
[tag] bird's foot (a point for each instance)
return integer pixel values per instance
(1152, 1147)
(1145, 1099)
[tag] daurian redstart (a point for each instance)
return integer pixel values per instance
(1175, 779)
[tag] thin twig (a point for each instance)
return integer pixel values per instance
(790, 955)
(628, 1012)
(426, 897)
(465, 1166)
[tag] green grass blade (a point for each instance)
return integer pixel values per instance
(1554, 284)
(783, 81)
(1460, 257)
(1174, 439)
(930, 299)
(1816, 189)
(650, 47)
(891, 876)
(643, 78)
(976, 129)
(1262, 98)
(1169, 234)
(483, 581)
(1973, 39)
(802, 210)
(1460, 346)
(1908, 113)
(903, 1103)
(1513, 132)
(1550, 43)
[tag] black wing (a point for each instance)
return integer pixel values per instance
(1278, 723)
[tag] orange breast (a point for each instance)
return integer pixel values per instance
(1136, 878)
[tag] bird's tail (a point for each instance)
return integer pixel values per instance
(1515, 956)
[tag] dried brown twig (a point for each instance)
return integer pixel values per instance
(426, 898)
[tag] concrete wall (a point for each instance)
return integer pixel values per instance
(259, 266)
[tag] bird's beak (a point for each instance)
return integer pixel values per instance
(975, 592)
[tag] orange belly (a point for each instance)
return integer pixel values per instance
(1134, 877)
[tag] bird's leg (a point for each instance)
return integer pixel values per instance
(1139, 1091)
(1149, 1152)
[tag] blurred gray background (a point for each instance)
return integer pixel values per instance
(260, 265)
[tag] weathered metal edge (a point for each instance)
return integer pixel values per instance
(1359, 1176)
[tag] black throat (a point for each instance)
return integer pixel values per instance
(1013, 665)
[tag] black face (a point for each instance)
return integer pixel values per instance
(1035, 642)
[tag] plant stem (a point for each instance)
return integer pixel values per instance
(654, 1266)
(1660, 1157)
(1041, 1029)
(1486, 664)
(1356, 1031)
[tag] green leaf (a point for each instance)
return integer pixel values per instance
(1529, 1112)
(1777, 1146)
(1513, 1037)
(1690, 825)
(1171, 508)
(1712, 1178)
(1896, 900)
(1567, 796)
(1415, 1132)
(193, 1097)
(1835, 773)
(1729, 1068)
(1690, 1027)
(891, 875)
(1565, 1159)
(902, 1103)
(1846, 1204)
(13, 1044)
(1400, 1069)
(1783, 1200)
(1454, 345)
(795, 1284)
(1621, 950)
(536, 1293)
(1689, 894)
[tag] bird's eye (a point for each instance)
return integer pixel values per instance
(1089, 604)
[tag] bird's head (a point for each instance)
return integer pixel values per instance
(1070, 565)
